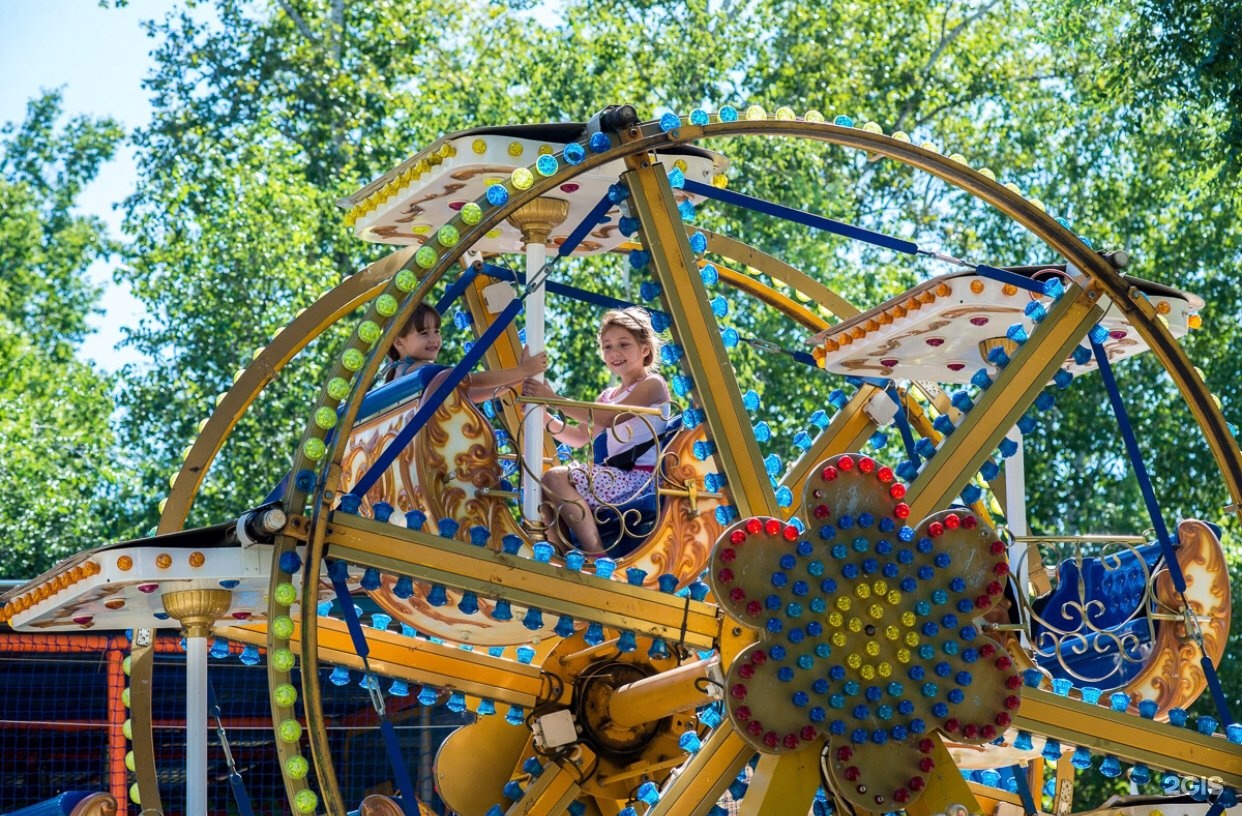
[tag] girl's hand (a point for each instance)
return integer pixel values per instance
(533, 364)
(538, 388)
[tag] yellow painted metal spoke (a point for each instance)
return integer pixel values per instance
(847, 432)
(1130, 738)
(945, 786)
(707, 775)
(400, 551)
(783, 783)
(554, 790)
(415, 660)
(998, 408)
(694, 327)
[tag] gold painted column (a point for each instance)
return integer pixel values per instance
(695, 329)
(197, 610)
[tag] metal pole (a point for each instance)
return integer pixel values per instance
(195, 726)
(197, 610)
(535, 220)
(532, 428)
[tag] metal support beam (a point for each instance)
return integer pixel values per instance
(998, 408)
(847, 432)
(706, 776)
(522, 581)
(415, 660)
(945, 786)
(1129, 738)
(783, 783)
(656, 697)
(555, 789)
(694, 328)
(777, 269)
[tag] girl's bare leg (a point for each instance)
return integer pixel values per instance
(572, 507)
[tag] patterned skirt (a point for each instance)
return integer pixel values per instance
(602, 485)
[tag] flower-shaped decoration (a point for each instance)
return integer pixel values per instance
(869, 637)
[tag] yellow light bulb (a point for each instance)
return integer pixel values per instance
(862, 591)
(854, 661)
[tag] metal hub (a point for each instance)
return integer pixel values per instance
(591, 701)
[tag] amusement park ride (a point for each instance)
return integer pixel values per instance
(859, 632)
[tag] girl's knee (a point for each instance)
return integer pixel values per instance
(556, 477)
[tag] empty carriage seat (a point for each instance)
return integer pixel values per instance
(1111, 644)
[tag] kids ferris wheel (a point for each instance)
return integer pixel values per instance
(856, 630)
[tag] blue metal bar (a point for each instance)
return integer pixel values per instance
(561, 289)
(1024, 790)
(238, 786)
(1013, 278)
(1218, 691)
(580, 231)
(453, 292)
(1157, 520)
(1140, 471)
(338, 571)
(236, 783)
(409, 802)
(432, 402)
(903, 424)
(800, 217)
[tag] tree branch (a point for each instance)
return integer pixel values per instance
(946, 39)
(336, 18)
(298, 21)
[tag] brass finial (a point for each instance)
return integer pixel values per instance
(197, 609)
(536, 219)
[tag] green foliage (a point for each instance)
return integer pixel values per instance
(264, 119)
(270, 113)
(55, 437)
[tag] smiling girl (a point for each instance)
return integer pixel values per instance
(625, 457)
(414, 352)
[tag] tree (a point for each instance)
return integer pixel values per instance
(278, 114)
(56, 457)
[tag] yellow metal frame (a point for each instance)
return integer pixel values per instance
(998, 408)
(335, 304)
(706, 776)
(416, 660)
(777, 269)
(847, 432)
(1129, 738)
(141, 670)
(694, 328)
(525, 582)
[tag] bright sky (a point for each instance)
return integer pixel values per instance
(99, 56)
